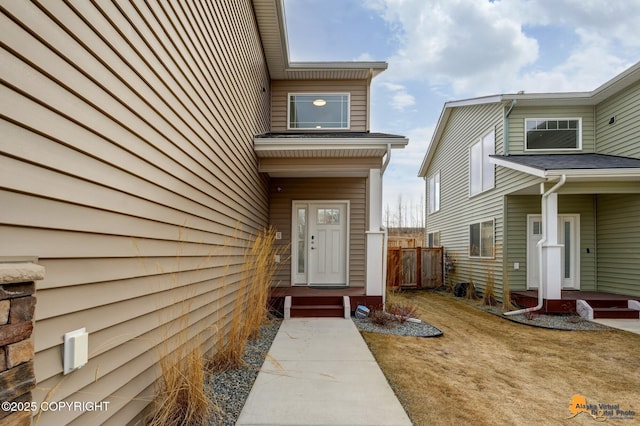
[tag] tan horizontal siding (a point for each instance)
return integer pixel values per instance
(352, 189)
(358, 90)
(127, 167)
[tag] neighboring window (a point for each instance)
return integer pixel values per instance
(553, 133)
(319, 111)
(433, 239)
(434, 193)
(481, 239)
(481, 170)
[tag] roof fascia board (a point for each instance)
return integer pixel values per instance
(333, 143)
(591, 174)
(595, 174)
(518, 167)
(442, 123)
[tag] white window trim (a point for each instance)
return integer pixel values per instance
(579, 148)
(436, 193)
(480, 222)
(493, 168)
(348, 94)
(303, 279)
(439, 237)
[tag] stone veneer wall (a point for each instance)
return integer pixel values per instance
(17, 307)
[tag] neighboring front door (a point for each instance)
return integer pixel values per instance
(319, 246)
(568, 237)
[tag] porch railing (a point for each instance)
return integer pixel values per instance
(415, 267)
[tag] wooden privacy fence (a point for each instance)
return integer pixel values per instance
(415, 267)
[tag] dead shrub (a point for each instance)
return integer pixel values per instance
(380, 317)
(402, 311)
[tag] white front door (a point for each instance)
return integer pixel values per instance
(568, 237)
(319, 243)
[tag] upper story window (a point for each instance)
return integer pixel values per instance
(481, 170)
(318, 111)
(434, 193)
(553, 134)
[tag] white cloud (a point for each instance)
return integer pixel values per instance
(365, 57)
(400, 98)
(400, 179)
(477, 47)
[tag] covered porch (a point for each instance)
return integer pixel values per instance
(575, 232)
(326, 206)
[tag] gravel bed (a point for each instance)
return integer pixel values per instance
(230, 389)
(398, 329)
(571, 322)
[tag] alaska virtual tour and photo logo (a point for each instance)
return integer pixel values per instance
(599, 412)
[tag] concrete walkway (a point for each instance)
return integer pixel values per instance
(319, 371)
(631, 325)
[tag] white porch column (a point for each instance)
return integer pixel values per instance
(551, 279)
(375, 281)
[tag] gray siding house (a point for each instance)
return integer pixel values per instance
(143, 145)
(540, 191)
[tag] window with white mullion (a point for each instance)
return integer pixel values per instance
(434, 193)
(556, 134)
(481, 170)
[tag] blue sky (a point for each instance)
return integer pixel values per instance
(442, 50)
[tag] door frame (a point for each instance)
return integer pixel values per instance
(302, 279)
(574, 284)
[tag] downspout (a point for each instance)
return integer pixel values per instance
(543, 240)
(506, 127)
(386, 160)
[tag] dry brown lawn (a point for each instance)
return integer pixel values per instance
(486, 370)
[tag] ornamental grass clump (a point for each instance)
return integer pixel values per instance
(250, 309)
(182, 398)
(489, 297)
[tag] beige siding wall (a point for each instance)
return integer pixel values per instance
(518, 116)
(127, 167)
(357, 88)
(620, 138)
(517, 209)
(352, 189)
(619, 244)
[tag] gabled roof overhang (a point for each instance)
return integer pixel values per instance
(576, 167)
(620, 82)
(271, 21)
(324, 154)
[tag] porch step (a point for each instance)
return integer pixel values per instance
(608, 303)
(317, 306)
(608, 308)
(314, 311)
(616, 312)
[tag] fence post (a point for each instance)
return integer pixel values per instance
(419, 267)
